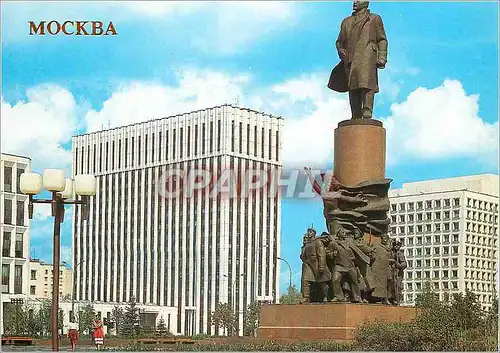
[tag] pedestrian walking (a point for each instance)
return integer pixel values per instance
(73, 335)
(98, 334)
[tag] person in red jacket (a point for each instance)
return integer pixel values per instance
(98, 334)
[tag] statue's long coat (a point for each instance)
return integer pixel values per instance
(363, 37)
(380, 272)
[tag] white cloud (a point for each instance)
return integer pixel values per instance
(431, 124)
(42, 211)
(140, 101)
(440, 123)
(39, 126)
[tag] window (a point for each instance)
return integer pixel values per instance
(32, 290)
(427, 263)
(428, 216)
(436, 262)
(419, 263)
(409, 252)
(5, 277)
(19, 172)
(436, 251)
(401, 206)
(33, 274)
(437, 238)
(454, 262)
(419, 205)
(7, 179)
(20, 213)
(454, 285)
(456, 202)
(393, 207)
(411, 206)
(447, 202)
(436, 285)
(410, 241)
(7, 211)
(18, 279)
(445, 262)
(19, 253)
(428, 204)
(6, 244)
(402, 218)
(445, 273)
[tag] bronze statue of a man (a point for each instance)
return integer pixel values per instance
(362, 48)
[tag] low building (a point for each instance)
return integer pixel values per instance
(41, 280)
(449, 231)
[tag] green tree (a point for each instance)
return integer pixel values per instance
(223, 317)
(161, 328)
(251, 321)
(43, 316)
(15, 319)
(117, 316)
(293, 296)
(131, 320)
(466, 311)
(86, 316)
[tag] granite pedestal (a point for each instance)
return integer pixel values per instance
(325, 321)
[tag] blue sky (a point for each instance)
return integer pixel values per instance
(438, 99)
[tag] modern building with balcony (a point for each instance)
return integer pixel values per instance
(449, 231)
(14, 229)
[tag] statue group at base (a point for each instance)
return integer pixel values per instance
(345, 268)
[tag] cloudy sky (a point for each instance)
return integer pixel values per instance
(438, 99)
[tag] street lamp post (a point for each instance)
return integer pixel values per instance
(62, 189)
(74, 289)
(289, 270)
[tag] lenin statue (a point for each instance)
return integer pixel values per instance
(362, 48)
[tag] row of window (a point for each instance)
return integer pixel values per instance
(436, 251)
(427, 216)
(482, 217)
(419, 205)
(482, 205)
(428, 228)
(7, 179)
(417, 275)
(8, 212)
(417, 286)
(18, 279)
(18, 247)
(444, 262)
(436, 239)
(111, 155)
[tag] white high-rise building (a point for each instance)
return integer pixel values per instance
(188, 252)
(449, 231)
(14, 230)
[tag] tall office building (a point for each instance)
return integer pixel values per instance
(14, 229)
(449, 230)
(189, 252)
